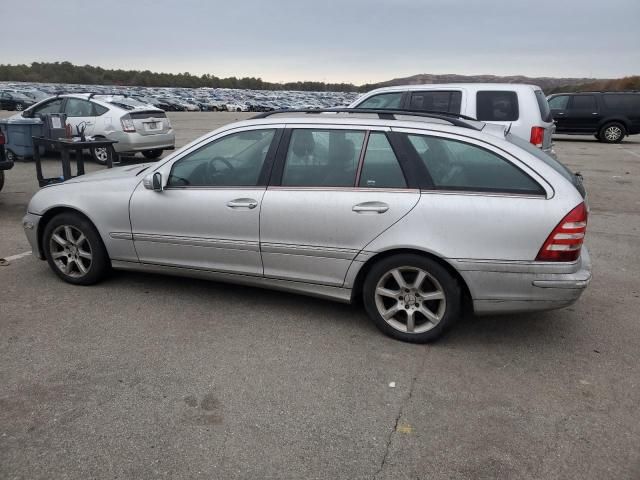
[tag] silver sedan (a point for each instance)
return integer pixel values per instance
(413, 216)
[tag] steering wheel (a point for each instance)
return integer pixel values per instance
(212, 172)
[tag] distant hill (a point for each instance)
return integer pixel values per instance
(546, 83)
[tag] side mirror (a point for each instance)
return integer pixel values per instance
(153, 182)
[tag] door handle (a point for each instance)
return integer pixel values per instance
(370, 207)
(249, 203)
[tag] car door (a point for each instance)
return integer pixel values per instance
(583, 114)
(334, 189)
(80, 114)
(207, 215)
(558, 105)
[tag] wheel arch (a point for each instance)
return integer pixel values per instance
(625, 122)
(356, 290)
(52, 212)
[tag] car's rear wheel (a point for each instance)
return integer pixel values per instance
(100, 155)
(152, 154)
(10, 156)
(411, 298)
(1, 179)
(612, 132)
(74, 249)
(19, 107)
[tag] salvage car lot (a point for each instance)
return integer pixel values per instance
(158, 377)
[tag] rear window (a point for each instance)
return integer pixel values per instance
(455, 165)
(543, 105)
(497, 106)
(436, 101)
(622, 102)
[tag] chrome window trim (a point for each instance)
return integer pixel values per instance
(347, 189)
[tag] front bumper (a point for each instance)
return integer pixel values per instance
(31, 223)
(520, 287)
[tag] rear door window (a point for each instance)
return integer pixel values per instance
(388, 101)
(455, 165)
(584, 103)
(497, 106)
(381, 168)
(436, 101)
(322, 158)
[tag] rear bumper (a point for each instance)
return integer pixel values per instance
(134, 142)
(520, 287)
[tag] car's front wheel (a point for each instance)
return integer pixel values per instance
(19, 107)
(152, 154)
(411, 298)
(74, 249)
(612, 132)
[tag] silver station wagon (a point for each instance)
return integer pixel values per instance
(414, 214)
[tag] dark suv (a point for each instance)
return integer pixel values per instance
(610, 116)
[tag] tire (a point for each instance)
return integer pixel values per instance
(99, 155)
(64, 245)
(407, 300)
(152, 154)
(10, 156)
(612, 132)
(1, 179)
(19, 107)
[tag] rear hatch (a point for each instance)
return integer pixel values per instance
(150, 122)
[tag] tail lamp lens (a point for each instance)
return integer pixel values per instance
(565, 241)
(537, 136)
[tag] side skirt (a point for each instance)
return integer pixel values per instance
(321, 291)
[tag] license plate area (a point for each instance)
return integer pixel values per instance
(152, 126)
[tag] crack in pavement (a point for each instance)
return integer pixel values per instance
(400, 413)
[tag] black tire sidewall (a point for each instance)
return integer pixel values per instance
(603, 138)
(1, 179)
(447, 281)
(100, 262)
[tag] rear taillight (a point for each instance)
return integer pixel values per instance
(565, 242)
(537, 136)
(2, 140)
(127, 124)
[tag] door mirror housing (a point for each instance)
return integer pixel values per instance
(153, 182)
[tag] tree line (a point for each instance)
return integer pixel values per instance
(66, 72)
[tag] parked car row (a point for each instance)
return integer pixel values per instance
(190, 99)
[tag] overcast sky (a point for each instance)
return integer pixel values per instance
(357, 41)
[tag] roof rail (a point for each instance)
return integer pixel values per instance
(453, 118)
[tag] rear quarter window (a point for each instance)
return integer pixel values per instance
(456, 165)
(497, 106)
(622, 102)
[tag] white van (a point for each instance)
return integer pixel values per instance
(524, 107)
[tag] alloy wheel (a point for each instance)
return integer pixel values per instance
(612, 133)
(101, 154)
(410, 299)
(70, 251)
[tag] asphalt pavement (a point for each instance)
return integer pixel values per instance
(148, 377)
